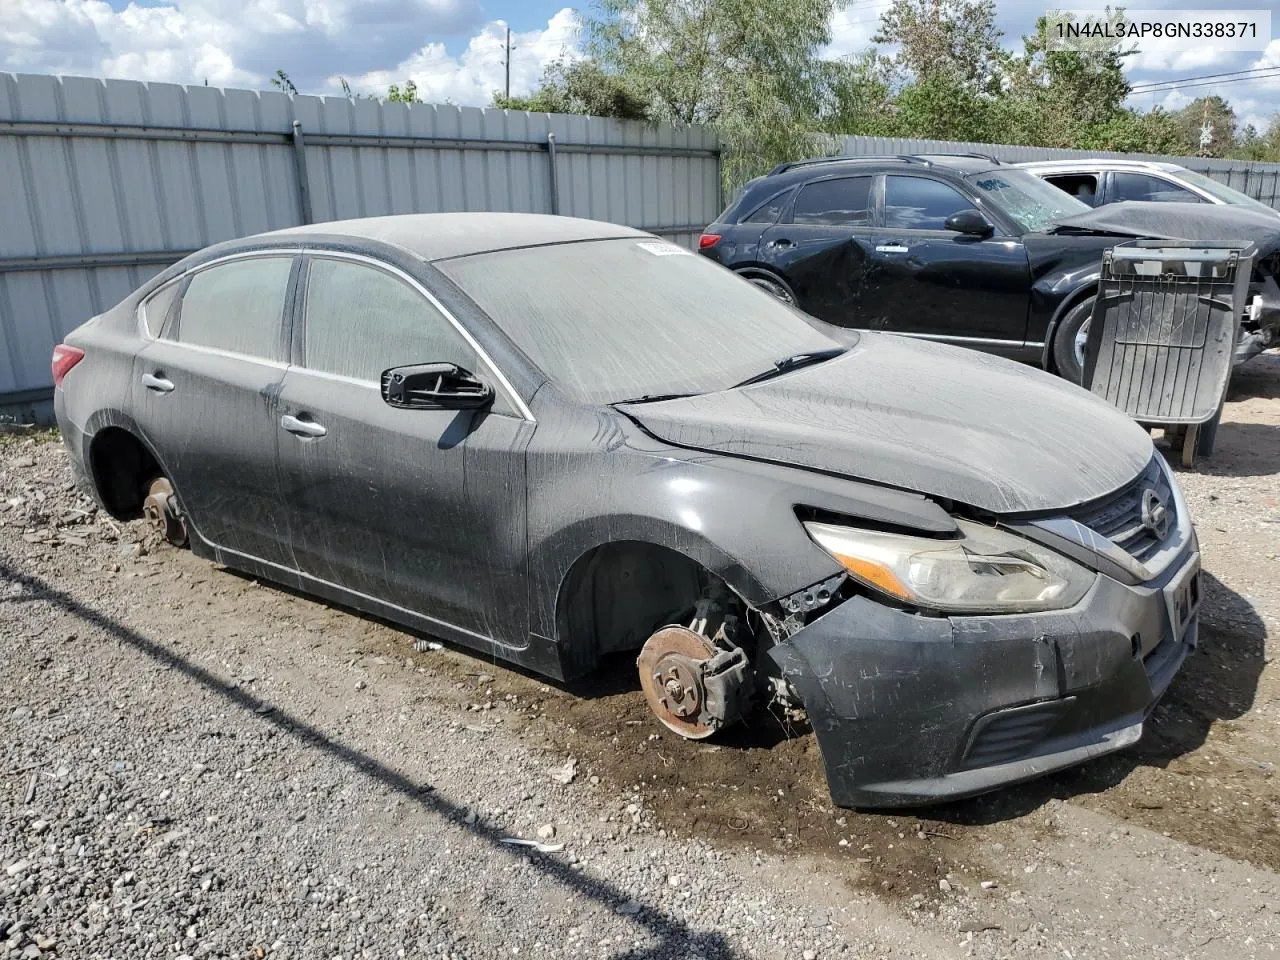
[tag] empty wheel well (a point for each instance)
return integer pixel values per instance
(121, 467)
(617, 594)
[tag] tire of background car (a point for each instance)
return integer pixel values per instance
(773, 285)
(1208, 438)
(1066, 360)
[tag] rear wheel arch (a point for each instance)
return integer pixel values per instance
(121, 467)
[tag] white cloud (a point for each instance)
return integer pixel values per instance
(851, 31)
(474, 75)
(227, 42)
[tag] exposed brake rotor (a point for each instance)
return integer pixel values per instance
(693, 686)
(670, 674)
(160, 507)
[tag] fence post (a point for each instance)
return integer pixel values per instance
(300, 167)
(555, 181)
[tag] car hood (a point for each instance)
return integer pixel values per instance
(1201, 222)
(924, 417)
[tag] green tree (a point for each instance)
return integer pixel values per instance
(406, 94)
(281, 82)
(1055, 97)
(750, 68)
(580, 87)
(953, 39)
(1210, 115)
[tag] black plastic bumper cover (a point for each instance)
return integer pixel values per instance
(909, 709)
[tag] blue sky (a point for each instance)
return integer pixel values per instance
(452, 49)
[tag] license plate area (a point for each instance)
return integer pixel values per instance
(1182, 597)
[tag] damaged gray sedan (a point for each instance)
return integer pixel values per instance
(552, 440)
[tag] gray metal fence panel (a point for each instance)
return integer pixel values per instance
(1257, 179)
(106, 182)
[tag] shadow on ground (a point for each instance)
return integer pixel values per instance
(673, 938)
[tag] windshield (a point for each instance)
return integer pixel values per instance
(611, 320)
(1223, 192)
(1034, 204)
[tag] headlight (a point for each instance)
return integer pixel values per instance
(983, 571)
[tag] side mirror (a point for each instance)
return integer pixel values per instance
(969, 222)
(434, 386)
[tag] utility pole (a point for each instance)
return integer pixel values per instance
(506, 62)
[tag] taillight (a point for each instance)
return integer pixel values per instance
(708, 240)
(65, 357)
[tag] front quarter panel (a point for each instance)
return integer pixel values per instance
(595, 478)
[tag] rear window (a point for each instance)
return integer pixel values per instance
(611, 320)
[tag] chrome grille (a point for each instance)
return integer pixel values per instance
(1119, 518)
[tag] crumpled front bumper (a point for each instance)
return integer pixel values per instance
(911, 709)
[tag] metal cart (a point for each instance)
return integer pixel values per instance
(1162, 335)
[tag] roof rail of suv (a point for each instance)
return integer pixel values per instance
(975, 156)
(792, 164)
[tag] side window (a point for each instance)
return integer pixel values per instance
(156, 307)
(917, 203)
(1140, 186)
(845, 202)
(237, 306)
(1082, 186)
(362, 320)
(768, 211)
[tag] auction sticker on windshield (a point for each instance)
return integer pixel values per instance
(660, 249)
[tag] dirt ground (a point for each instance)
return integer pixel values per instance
(1196, 803)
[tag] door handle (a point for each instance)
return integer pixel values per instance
(302, 428)
(893, 246)
(781, 244)
(157, 384)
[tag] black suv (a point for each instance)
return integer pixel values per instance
(959, 248)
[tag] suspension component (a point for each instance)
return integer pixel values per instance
(160, 507)
(695, 685)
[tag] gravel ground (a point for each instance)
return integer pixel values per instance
(196, 764)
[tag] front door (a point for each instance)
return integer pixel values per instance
(822, 247)
(420, 509)
(205, 401)
(934, 282)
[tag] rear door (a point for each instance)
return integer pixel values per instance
(822, 246)
(204, 397)
(421, 509)
(1127, 185)
(934, 282)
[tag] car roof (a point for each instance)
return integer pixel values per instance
(440, 236)
(1101, 163)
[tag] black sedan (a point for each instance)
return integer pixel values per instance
(961, 249)
(552, 440)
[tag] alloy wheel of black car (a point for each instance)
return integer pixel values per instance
(1068, 356)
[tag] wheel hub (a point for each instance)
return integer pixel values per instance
(670, 666)
(160, 507)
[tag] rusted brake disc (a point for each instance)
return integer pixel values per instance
(670, 674)
(160, 507)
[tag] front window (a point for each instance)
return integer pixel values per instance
(1222, 192)
(611, 320)
(918, 203)
(1026, 199)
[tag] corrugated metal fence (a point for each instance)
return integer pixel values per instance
(103, 183)
(1259, 180)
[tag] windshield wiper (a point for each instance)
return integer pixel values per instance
(793, 362)
(655, 398)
